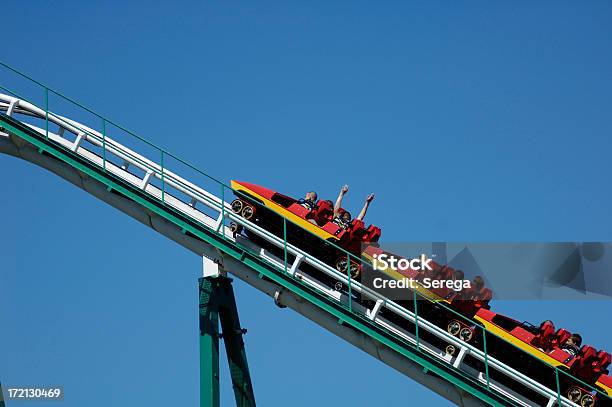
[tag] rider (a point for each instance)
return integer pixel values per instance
(458, 275)
(478, 283)
(473, 292)
(572, 345)
(309, 201)
(343, 219)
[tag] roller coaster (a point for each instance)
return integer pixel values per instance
(458, 348)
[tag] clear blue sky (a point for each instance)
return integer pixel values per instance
(480, 121)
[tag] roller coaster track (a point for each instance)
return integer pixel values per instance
(196, 216)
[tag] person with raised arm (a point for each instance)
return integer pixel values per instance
(342, 217)
(366, 205)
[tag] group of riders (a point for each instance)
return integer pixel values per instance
(341, 217)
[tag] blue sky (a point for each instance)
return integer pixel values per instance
(471, 122)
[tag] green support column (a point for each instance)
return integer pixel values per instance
(209, 344)
(217, 303)
(234, 346)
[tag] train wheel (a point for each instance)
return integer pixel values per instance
(235, 228)
(450, 350)
(587, 400)
(355, 270)
(453, 327)
(355, 267)
(466, 334)
(341, 264)
(248, 212)
(574, 394)
(237, 205)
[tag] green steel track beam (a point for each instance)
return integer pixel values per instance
(252, 260)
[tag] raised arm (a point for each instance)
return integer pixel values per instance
(364, 210)
(338, 204)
